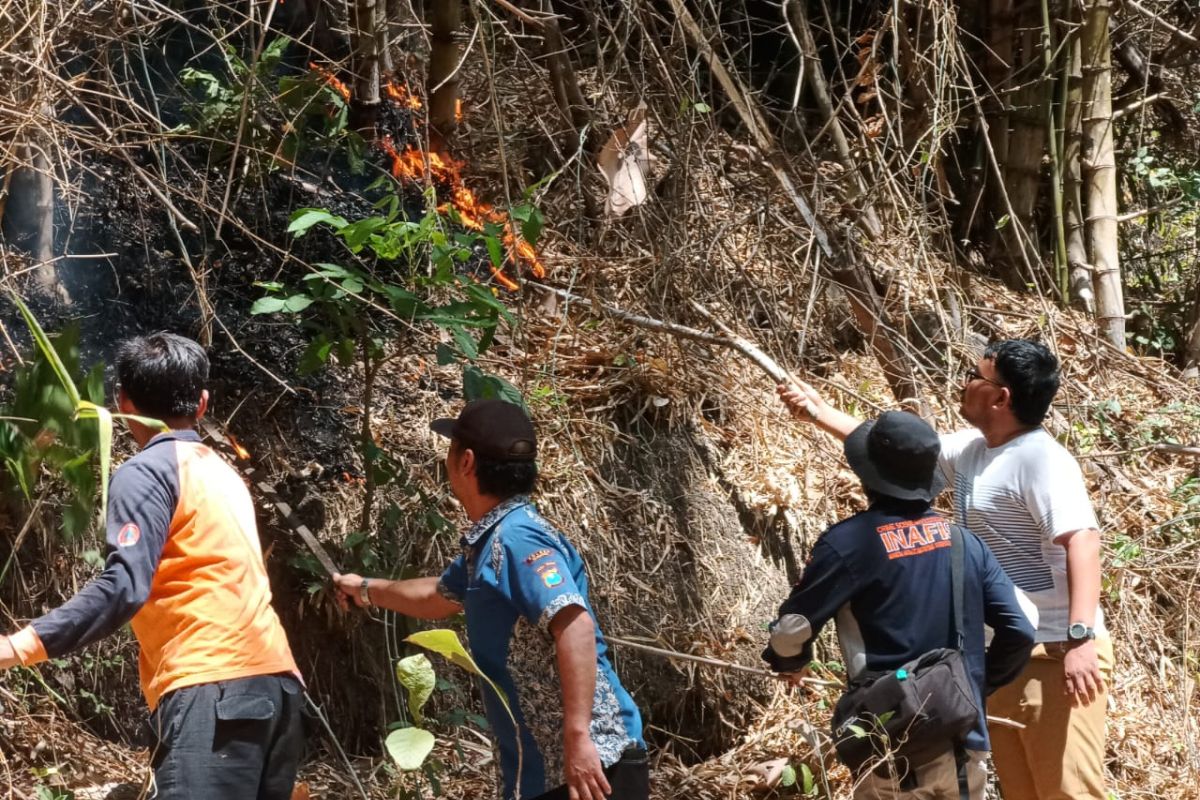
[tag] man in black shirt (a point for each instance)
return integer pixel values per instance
(884, 574)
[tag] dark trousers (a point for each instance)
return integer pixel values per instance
(629, 779)
(231, 740)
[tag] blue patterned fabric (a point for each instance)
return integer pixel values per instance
(516, 572)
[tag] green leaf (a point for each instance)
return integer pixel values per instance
(356, 233)
(416, 674)
(296, 303)
(465, 343)
(531, 219)
(495, 251)
(857, 730)
(479, 385)
(270, 286)
(701, 108)
(48, 351)
(788, 776)
(409, 747)
(1002, 222)
(808, 784)
(445, 355)
(305, 218)
(446, 644)
(353, 285)
(104, 424)
(268, 305)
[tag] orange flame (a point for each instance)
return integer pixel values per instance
(332, 80)
(401, 95)
(415, 164)
(242, 452)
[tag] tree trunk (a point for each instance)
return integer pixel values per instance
(564, 83)
(1100, 171)
(1023, 165)
(854, 185)
(365, 34)
(445, 17)
(383, 38)
(1077, 256)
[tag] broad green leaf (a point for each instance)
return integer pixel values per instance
(808, 784)
(305, 218)
(857, 730)
(104, 425)
(268, 305)
(465, 343)
(51, 355)
(409, 747)
(416, 674)
(788, 776)
(495, 252)
(297, 303)
(446, 644)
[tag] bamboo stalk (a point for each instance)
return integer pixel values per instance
(1100, 172)
(1056, 170)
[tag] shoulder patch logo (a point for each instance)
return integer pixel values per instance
(551, 578)
(537, 556)
(129, 535)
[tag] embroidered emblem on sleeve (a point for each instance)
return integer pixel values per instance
(537, 555)
(129, 535)
(549, 574)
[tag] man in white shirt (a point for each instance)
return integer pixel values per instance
(1022, 493)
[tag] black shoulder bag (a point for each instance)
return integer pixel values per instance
(915, 712)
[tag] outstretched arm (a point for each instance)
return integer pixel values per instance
(415, 597)
(806, 405)
(575, 654)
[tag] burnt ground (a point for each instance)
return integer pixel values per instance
(303, 437)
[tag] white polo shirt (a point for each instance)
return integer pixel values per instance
(1023, 498)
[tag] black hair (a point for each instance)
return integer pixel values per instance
(163, 374)
(1030, 371)
(503, 479)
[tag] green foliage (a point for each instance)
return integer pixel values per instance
(416, 675)
(283, 117)
(40, 435)
(409, 747)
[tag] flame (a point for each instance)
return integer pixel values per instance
(414, 165)
(331, 79)
(402, 96)
(242, 452)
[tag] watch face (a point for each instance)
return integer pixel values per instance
(1077, 631)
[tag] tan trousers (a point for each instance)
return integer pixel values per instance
(937, 780)
(1059, 755)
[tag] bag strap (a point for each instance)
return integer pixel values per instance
(958, 549)
(960, 762)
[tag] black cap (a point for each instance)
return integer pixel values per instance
(897, 455)
(493, 429)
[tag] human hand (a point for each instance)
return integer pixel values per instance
(8, 656)
(582, 769)
(802, 400)
(1081, 670)
(794, 678)
(348, 588)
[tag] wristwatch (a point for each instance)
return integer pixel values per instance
(1078, 632)
(364, 592)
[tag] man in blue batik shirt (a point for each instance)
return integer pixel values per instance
(530, 626)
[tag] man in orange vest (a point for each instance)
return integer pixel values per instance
(185, 568)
